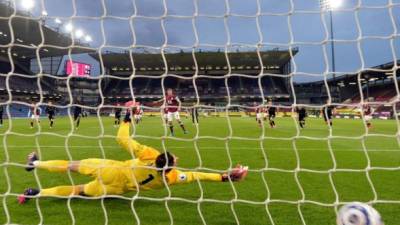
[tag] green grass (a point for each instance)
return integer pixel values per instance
(272, 161)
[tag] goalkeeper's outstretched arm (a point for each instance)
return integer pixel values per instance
(136, 149)
(178, 177)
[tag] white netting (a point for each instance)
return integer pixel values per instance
(228, 47)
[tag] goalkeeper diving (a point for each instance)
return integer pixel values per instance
(149, 169)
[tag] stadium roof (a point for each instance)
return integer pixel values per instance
(381, 72)
(27, 36)
(183, 61)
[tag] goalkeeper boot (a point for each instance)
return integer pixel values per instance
(32, 157)
(26, 196)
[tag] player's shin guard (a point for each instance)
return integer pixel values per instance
(171, 128)
(31, 123)
(78, 122)
(51, 123)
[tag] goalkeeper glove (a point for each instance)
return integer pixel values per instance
(236, 174)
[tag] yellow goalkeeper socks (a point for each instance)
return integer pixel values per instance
(52, 165)
(61, 191)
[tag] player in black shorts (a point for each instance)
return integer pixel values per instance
(327, 113)
(301, 111)
(51, 111)
(77, 115)
(117, 116)
(271, 114)
(195, 115)
(1, 115)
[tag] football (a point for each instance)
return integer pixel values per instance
(357, 213)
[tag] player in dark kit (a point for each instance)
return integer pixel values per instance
(51, 111)
(173, 106)
(271, 114)
(1, 115)
(302, 114)
(77, 116)
(327, 113)
(117, 115)
(195, 115)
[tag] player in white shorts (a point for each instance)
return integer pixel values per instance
(260, 114)
(34, 114)
(138, 113)
(173, 106)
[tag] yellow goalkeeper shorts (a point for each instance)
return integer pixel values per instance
(110, 177)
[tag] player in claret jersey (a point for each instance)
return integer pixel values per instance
(368, 111)
(173, 106)
(34, 114)
(137, 113)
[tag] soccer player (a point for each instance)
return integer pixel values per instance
(368, 111)
(117, 115)
(173, 106)
(1, 115)
(327, 113)
(34, 114)
(195, 115)
(271, 114)
(137, 112)
(260, 114)
(302, 114)
(77, 116)
(51, 111)
(149, 169)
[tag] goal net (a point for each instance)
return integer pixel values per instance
(243, 70)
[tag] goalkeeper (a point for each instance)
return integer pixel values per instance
(149, 169)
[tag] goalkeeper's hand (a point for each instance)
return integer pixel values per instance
(236, 174)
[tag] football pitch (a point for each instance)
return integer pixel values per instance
(291, 171)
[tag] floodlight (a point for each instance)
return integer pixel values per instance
(27, 4)
(69, 27)
(88, 38)
(79, 33)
